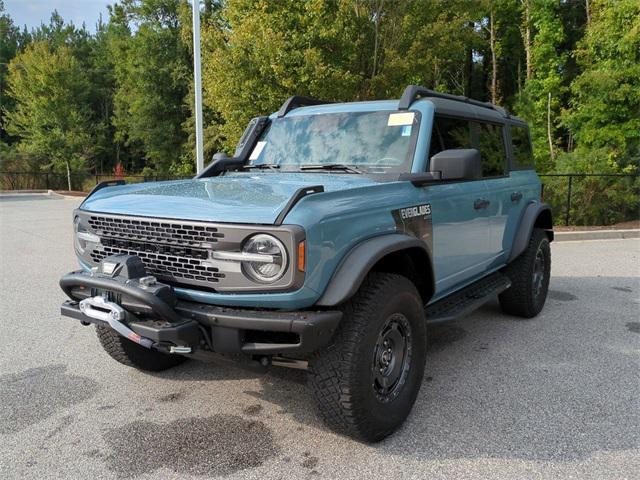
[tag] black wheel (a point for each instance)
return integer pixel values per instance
(366, 381)
(529, 275)
(133, 355)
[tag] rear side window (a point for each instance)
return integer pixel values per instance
(491, 146)
(521, 147)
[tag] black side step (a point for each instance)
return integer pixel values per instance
(468, 299)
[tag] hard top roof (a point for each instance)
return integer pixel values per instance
(444, 103)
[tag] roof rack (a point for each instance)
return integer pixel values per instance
(298, 101)
(413, 92)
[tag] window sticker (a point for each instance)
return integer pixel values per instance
(405, 131)
(257, 150)
(399, 119)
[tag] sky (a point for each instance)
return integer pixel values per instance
(34, 12)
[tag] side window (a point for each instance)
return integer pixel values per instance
(455, 133)
(521, 147)
(435, 146)
(491, 147)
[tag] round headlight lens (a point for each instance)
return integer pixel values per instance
(275, 256)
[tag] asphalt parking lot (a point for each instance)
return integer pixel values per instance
(553, 397)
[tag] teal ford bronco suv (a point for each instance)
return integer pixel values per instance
(330, 241)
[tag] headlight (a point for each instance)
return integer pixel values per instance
(270, 257)
(81, 236)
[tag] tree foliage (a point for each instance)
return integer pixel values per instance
(52, 114)
(605, 104)
(152, 76)
(570, 68)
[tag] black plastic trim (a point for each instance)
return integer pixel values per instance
(314, 328)
(351, 272)
(181, 324)
(531, 212)
(413, 92)
(101, 185)
(420, 179)
(296, 101)
(467, 299)
(295, 198)
(84, 279)
(220, 163)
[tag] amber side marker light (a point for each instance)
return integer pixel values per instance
(301, 256)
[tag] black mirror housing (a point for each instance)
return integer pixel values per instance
(457, 164)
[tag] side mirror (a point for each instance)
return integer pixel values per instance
(457, 164)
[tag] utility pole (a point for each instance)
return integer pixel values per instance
(197, 79)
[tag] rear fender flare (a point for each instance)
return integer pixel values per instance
(535, 215)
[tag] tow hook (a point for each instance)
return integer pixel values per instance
(112, 313)
(179, 349)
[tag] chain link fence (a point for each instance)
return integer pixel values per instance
(575, 198)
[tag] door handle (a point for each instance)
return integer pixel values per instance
(516, 196)
(481, 203)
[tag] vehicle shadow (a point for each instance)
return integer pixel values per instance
(561, 386)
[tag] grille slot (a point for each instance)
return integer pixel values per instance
(172, 252)
(165, 267)
(154, 231)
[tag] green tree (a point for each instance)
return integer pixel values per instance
(541, 99)
(431, 44)
(152, 74)
(51, 116)
(11, 41)
(262, 52)
(605, 105)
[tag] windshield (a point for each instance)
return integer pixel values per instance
(373, 142)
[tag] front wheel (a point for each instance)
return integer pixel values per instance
(133, 355)
(366, 381)
(529, 275)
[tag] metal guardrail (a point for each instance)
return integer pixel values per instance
(559, 189)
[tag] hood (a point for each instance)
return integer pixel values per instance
(235, 198)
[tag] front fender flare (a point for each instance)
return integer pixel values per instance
(355, 266)
(527, 223)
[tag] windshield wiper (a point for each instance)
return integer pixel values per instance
(263, 166)
(332, 166)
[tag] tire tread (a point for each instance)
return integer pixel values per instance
(517, 299)
(332, 376)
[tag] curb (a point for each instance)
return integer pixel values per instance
(17, 194)
(596, 235)
(53, 194)
(23, 192)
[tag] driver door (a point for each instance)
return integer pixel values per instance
(460, 222)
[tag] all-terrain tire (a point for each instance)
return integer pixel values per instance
(133, 355)
(350, 390)
(529, 285)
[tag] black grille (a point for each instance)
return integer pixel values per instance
(165, 267)
(172, 252)
(154, 231)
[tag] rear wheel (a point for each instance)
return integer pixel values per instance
(366, 381)
(529, 275)
(133, 355)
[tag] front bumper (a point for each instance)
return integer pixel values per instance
(181, 326)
